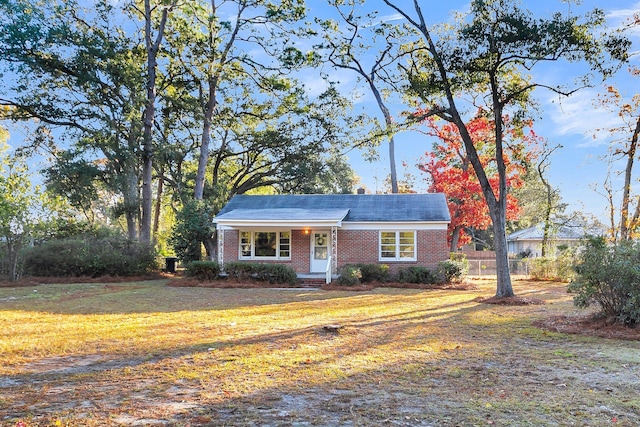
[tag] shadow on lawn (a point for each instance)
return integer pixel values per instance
(154, 296)
(72, 383)
(413, 367)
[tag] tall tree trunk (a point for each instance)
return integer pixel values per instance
(393, 175)
(131, 202)
(203, 158)
(503, 273)
(624, 211)
(546, 232)
(156, 215)
(455, 238)
(210, 105)
(499, 218)
(13, 249)
(153, 46)
(210, 247)
(548, 209)
(497, 205)
(392, 166)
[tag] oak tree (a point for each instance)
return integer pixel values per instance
(486, 59)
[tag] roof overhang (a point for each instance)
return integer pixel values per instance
(281, 218)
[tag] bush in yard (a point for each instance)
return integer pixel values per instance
(540, 268)
(93, 256)
(276, 273)
(455, 268)
(262, 272)
(373, 272)
(349, 275)
(608, 277)
(558, 268)
(417, 274)
(203, 270)
(193, 227)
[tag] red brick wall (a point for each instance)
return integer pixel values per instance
(231, 245)
(300, 244)
(354, 246)
(361, 246)
(357, 246)
(432, 247)
(300, 247)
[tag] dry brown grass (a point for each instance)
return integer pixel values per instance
(144, 353)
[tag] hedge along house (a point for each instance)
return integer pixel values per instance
(319, 233)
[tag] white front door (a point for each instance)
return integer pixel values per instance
(320, 250)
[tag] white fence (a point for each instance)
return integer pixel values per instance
(487, 267)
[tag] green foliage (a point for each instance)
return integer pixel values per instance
(350, 275)
(559, 268)
(418, 274)
(74, 179)
(609, 278)
(454, 269)
(203, 270)
(373, 272)
(25, 211)
(193, 226)
(354, 274)
(262, 272)
(541, 268)
(90, 256)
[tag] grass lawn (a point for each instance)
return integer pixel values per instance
(144, 353)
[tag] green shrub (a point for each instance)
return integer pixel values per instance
(193, 227)
(417, 274)
(453, 270)
(90, 256)
(349, 275)
(263, 272)
(541, 268)
(203, 270)
(373, 272)
(608, 277)
(238, 270)
(558, 268)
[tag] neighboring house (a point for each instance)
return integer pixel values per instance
(529, 240)
(319, 233)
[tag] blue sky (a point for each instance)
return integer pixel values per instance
(572, 122)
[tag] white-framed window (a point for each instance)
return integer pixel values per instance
(397, 245)
(265, 245)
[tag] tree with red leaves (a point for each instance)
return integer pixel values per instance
(450, 171)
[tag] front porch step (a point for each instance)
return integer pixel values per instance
(312, 280)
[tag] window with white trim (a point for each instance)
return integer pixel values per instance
(265, 245)
(397, 245)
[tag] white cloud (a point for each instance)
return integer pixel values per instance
(623, 14)
(390, 18)
(620, 18)
(579, 115)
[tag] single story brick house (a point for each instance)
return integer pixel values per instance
(319, 233)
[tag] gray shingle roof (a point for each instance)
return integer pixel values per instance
(285, 214)
(361, 207)
(536, 232)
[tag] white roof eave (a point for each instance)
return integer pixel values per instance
(276, 224)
